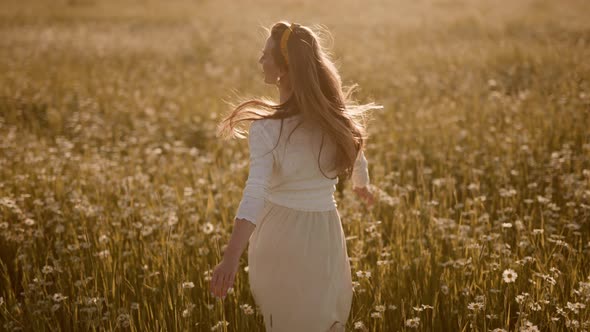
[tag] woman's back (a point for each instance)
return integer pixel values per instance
(296, 180)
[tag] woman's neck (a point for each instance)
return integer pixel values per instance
(284, 92)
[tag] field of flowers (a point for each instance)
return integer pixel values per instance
(116, 197)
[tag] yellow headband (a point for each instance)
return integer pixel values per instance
(284, 40)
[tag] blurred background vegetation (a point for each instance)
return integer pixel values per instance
(116, 198)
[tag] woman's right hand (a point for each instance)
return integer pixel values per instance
(365, 194)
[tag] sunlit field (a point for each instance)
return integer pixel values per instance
(117, 198)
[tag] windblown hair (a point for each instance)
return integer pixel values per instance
(317, 96)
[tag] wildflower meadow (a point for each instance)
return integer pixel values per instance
(117, 198)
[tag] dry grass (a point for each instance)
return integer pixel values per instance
(115, 194)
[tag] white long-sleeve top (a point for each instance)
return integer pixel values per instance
(289, 175)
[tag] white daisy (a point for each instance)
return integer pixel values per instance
(413, 322)
(509, 276)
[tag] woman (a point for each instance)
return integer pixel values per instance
(299, 271)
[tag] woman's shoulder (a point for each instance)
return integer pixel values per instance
(261, 125)
(263, 128)
(273, 127)
(268, 125)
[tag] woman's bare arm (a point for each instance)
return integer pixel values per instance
(243, 228)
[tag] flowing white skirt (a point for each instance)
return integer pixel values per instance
(299, 271)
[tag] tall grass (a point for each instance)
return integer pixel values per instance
(116, 198)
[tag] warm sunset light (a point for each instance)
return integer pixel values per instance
(149, 181)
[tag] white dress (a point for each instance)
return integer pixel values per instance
(299, 271)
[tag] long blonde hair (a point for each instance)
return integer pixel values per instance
(317, 96)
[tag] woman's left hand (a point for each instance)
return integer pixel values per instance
(223, 277)
(366, 195)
